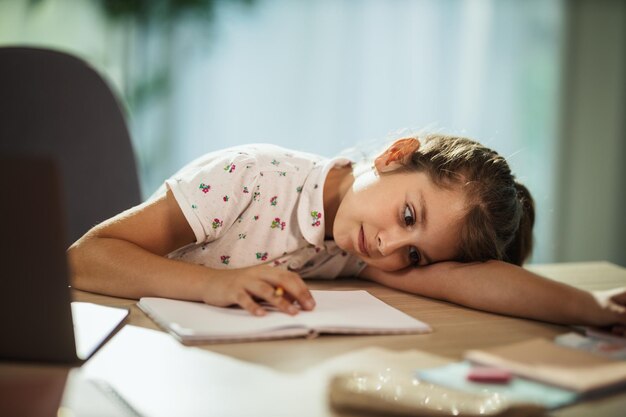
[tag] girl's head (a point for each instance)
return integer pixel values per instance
(474, 209)
(500, 211)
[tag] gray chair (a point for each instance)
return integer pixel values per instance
(55, 105)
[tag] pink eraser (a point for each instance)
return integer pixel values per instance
(489, 375)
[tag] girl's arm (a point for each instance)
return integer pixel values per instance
(504, 288)
(125, 257)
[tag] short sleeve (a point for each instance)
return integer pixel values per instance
(214, 193)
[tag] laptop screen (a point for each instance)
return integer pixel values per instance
(39, 323)
(34, 294)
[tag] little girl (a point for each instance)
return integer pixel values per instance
(440, 216)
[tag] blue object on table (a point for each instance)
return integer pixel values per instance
(518, 390)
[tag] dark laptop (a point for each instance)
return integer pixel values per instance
(37, 318)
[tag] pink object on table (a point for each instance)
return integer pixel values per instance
(489, 375)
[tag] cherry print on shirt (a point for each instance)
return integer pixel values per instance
(229, 168)
(217, 223)
(225, 259)
(282, 174)
(276, 223)
(205, 188)
(275, 162)
(261, 256)
(225, 198)
(256, 217)
(274, 201)
(245, 190)
(299, 189)
(316, 216)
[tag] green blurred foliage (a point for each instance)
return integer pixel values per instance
(160, 10)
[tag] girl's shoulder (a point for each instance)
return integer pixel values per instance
(264, 152)
(260, 157)
(259, 154)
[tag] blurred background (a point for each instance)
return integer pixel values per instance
(542, 82)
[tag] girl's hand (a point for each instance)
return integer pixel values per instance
(613, 306)
(246, 286)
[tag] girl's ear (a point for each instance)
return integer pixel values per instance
(397, 155)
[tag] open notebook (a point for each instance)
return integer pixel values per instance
(339, 312)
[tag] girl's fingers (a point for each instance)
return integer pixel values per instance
(616, 308)
(619, 298)
(295, 289)
(280, 288)
(289, 298)
(270, 294)
(245, 301)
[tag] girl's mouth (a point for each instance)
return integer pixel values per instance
(362, 245)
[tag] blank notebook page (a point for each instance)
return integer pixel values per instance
(343, 310)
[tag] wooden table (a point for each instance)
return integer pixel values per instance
(159, 376)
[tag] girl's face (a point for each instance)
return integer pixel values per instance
(398, 219)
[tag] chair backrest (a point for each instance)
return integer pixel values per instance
(55, 105)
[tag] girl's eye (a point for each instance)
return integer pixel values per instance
(414, 256)
(409, 218)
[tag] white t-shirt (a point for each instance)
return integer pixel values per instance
(259, 204)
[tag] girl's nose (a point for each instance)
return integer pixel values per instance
(388, 243)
